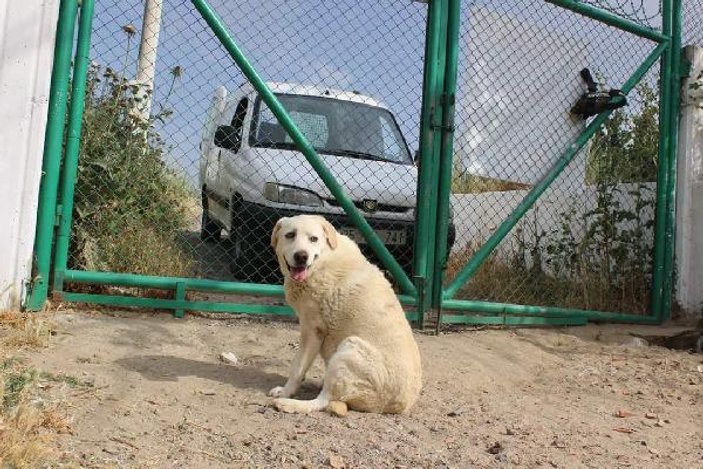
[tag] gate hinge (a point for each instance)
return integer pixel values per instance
(445, 100)
(57, 216)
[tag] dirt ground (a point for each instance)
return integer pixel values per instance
(151, 391)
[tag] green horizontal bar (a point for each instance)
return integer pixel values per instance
(514, 320)
(156, 303)
(538, 189)
(170, 283)
(611, 19)
(544, 311)
(303, 145)
(190, 284)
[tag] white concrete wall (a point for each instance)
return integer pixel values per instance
(27, 30)
(477, 216)
(689, 202)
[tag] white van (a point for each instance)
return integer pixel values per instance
(251, 173)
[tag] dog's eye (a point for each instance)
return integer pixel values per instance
(313, 239)
(290, 235)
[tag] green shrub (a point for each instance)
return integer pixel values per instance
(129, 206)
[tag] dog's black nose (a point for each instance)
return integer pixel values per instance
(300, 257)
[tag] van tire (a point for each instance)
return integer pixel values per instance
(210, 230)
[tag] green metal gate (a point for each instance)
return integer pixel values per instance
(113, 227)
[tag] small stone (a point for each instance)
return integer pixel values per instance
(336, 462)
(207, 392)
(495, 448)
(230, 358)
(457, 412)
(660, 423)
(650, 415)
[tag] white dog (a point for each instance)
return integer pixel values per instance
(350, 315)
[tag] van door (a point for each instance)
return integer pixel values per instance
(228, 161)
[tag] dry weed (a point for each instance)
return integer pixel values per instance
(27, 421)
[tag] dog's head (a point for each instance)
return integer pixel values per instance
(300, 242)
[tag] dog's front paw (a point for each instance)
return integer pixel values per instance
(279, 391)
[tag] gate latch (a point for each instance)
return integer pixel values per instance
(596, 101)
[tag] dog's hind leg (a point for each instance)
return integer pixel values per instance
(352, 377)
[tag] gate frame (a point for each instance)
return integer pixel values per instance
(425, 290)
(668, 52)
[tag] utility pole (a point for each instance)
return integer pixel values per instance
(146, 66)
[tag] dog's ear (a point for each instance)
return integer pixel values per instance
(330, 233)
(274, 233)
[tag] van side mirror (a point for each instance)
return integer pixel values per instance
(226, 137)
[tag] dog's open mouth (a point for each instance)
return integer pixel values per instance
(298, 273)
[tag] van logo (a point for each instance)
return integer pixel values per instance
(370, 205)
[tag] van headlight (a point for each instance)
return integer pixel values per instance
(290, 195)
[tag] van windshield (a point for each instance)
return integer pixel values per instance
(333, 127)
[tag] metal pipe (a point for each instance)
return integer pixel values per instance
(73, 140)
(514, 320)
(190, 284)
(487, 248)
(430, 102)
(543, 311)
(611, 19)
(155, 303)
(304, 146)
(446, 156)
(660, 219)
(674, 114)
(53, 143)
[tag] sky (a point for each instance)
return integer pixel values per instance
(375, 47)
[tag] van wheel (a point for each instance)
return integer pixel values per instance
(252, 264)
(210, 230)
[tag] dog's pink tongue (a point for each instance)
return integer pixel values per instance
(298, 273)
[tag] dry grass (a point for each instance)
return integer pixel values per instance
(473, 184)
(503, 281)
(27, 420)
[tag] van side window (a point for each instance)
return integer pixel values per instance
(238, 121)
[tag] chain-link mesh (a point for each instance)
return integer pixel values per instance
(187, 175)
(184, 170)
(692, 18)
(587, 242)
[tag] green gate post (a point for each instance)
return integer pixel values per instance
(665, 87)
(430, 143)
(53, 143)
(669, 243)
(446, 156)
(73, 141)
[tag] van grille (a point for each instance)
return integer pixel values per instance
(381, 207)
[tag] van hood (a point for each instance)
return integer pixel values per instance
(387, 183)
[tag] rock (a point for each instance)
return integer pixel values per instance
(230, 358)
(495, 448)
(457, 412)
(337, 408)
(623, 414)
(650, 415)
(337, 462)
(623, 430)
(207, 392)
